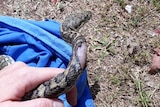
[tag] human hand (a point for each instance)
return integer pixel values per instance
(18, 78)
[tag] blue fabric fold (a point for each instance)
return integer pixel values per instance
(39, 44)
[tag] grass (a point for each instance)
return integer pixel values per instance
(121, 3)
(144, 99)
(104, 46)
(156, 3)
(115, 80)
(138, 24)
(135, 21)
(140, 58)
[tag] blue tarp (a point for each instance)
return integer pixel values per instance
(39, 44)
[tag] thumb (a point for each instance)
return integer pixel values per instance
(40, 102)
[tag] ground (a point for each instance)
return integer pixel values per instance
(120, 45)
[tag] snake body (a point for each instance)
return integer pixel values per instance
(63, 82)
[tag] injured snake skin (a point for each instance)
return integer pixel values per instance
(63, 82)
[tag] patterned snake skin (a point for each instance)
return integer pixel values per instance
(64, 81)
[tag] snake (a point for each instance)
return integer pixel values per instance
(64, 81)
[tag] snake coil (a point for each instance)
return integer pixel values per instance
(63, 82)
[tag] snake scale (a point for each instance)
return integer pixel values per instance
(63, 82)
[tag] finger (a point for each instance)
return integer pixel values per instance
(41, 102)
(72, 96)
(28, 77)
(40, 75)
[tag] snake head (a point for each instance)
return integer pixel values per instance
(75, 21)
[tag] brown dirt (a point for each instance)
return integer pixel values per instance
(120, 45)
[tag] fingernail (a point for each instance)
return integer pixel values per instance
(57, 104)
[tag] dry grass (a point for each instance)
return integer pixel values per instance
(119, 45)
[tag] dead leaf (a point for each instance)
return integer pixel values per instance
(157, 31)
(54, 1)
(155, 67)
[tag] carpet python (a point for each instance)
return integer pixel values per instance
(63, 82)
